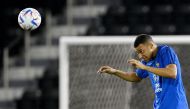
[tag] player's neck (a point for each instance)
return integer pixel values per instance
(155, 51)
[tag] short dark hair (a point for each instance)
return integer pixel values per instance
(142, 38)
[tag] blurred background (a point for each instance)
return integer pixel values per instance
(29, 67)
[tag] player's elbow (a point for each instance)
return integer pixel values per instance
(134, 78)
(172, 71)
(173, 74)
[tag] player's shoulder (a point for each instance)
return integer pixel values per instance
(164, 49)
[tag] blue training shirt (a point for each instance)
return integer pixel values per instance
(169, 93)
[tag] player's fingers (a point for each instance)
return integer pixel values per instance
(134, 63)
(106, 71)
(101, 70)
(129, 61)
(110, 71)
(132, 60)
(104, 67)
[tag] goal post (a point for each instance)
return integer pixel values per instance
(80, 87)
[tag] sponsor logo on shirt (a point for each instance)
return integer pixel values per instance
(156, 83)
(157, 64)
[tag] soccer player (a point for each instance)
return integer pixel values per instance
(160, 63)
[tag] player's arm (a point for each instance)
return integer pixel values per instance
(128, 76)
(169, 71)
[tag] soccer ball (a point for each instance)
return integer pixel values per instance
(29, 19)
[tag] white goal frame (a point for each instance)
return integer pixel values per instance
(64, 42)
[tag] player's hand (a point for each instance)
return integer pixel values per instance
(107, 69)
(136, 63)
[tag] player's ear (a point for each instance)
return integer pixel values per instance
(151, 45)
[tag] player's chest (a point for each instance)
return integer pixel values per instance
(157, 63)
(155, 79)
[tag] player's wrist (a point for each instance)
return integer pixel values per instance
(145, 67)
(117, 72)
(114, 71)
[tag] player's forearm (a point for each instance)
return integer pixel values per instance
(127, 76)
(165, 72)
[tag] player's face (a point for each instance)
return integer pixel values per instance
(144, 51)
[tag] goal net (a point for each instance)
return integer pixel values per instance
(82, 88)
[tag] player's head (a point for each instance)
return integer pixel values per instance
(144, 46)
